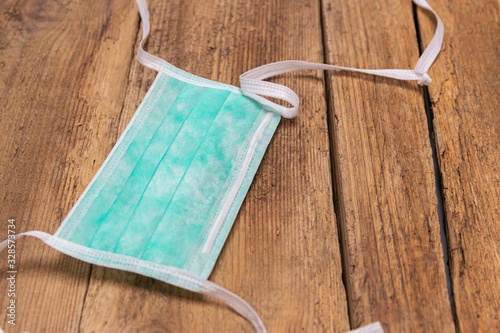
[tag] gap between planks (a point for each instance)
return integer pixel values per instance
(437, 173)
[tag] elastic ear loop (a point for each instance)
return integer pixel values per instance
(252, 84)
(159, 272)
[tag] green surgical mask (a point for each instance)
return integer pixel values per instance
(165, 199)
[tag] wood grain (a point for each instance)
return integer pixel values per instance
(465, 96)
(282, 255)
(70, 83)
(64, 69)
(385, 185)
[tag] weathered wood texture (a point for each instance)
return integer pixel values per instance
(385, 183)
(70, 83)
(465, 96)
(64, 68)
(283, 254)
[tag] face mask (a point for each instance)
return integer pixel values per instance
(164, 200)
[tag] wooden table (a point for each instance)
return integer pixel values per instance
(380, 201)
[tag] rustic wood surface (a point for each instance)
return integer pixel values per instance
(341, 225)
(386, 193)
(465, 98)
(64, 68)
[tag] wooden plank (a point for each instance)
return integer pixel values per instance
(282, 255)
(385, 183)
(64, 69)
(465, 96)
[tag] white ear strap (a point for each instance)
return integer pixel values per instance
(252, 83)
(145, 58)
(158, 271)
(431, 52)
